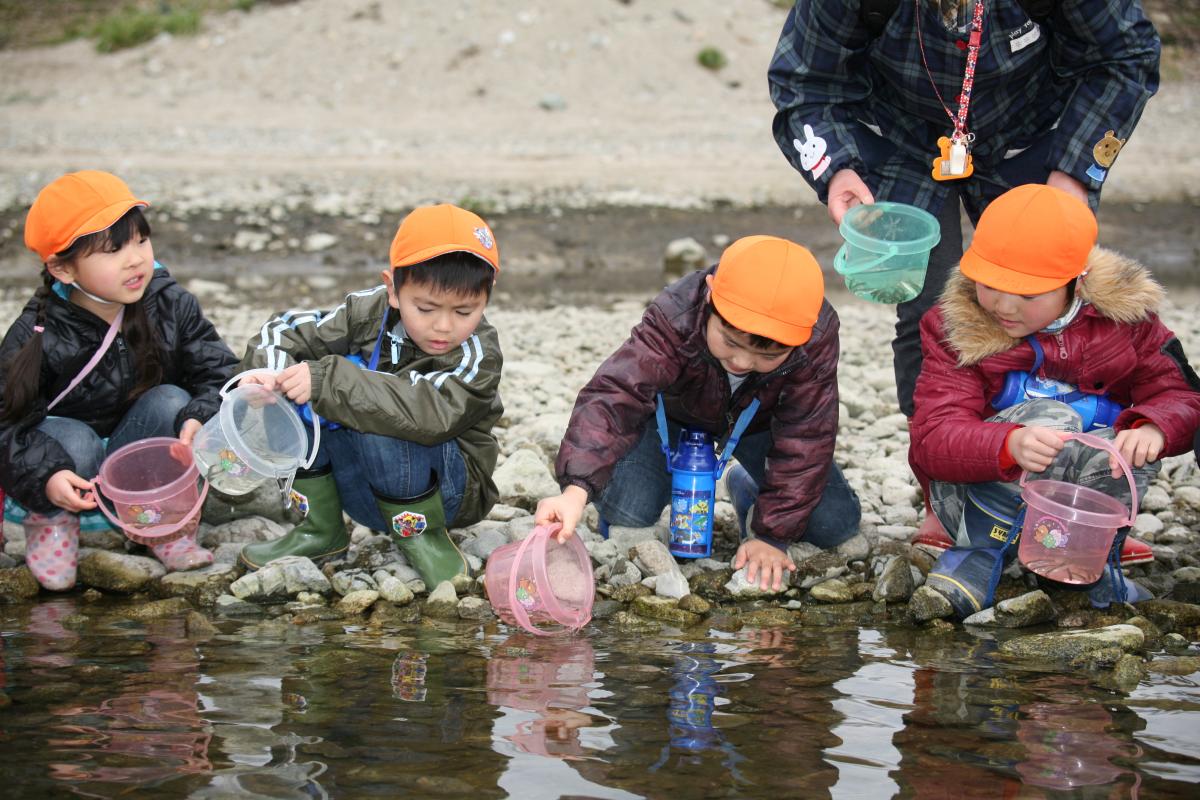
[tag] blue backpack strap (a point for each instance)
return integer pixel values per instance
(664, 437)
(743, 421)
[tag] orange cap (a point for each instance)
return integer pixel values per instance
(432, 231)
(75, 205)
(1030, 240)
(771, 287)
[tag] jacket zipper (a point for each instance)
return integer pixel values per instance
(1062, 346)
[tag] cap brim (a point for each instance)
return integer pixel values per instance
(753, 322)
(434, 252)
(1003, 279)
(104, 219)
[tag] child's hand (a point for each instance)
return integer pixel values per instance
(1138, 446)
(1034, 447)
(296, 383)
(566, 508)
(181, 451)
(264, 379)
(70, 492)
(764, 560)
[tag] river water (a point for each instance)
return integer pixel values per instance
(95, 704)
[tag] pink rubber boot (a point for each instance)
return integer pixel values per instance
(52, 549)
(183, 553)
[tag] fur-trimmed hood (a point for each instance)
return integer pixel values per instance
(1115, 287)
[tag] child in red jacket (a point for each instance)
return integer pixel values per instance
(1039, 332)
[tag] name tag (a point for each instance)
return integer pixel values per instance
(1024, 36)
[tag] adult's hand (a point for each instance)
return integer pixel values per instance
(1061, 180)
(847, 190)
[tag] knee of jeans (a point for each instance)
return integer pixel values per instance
(169, 395)
(620, 513)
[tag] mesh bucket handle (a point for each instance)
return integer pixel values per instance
(160, 534)
(1104, 444)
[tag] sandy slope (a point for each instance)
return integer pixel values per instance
(389, 103)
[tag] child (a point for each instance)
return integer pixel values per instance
(413, 448)
(1034, 302)
(161, 376)
(755, 326)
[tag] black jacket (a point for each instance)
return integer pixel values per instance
(194, 359)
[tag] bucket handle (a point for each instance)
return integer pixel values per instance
(1104, 444)
(316, 421)
(871, 264)
(518, 611)
(162, 533)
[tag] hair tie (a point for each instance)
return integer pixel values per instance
(38, 329)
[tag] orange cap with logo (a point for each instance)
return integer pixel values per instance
(77, 204)
(432, 231)
(771, 287)
(1031, 240)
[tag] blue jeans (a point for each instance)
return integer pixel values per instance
(369, 464)
(640, 488)
(152, 414)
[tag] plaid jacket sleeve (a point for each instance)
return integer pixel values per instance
(1111, 52)
(817, 76)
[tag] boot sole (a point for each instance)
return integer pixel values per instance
(320, 559)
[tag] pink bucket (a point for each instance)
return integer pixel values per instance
(1069, 529)
(545, 587)
(155, 487)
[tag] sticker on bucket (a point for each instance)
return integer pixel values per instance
(1048, 532)
(527, 594)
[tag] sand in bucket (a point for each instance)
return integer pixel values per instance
(544, 587)
(154, 488)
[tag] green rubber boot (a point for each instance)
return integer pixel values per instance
(320, 535)
(418, 527)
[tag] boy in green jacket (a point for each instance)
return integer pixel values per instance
(406, 375)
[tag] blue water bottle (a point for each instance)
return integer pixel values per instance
(694, 473)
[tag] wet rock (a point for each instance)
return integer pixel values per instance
(818, 568)
(392, 589)
(356, 602)
(17, 585)
(663, 609)
(463, 584)
(200, 587)
(711, 585)
(629, 623)
(281, 578)
(231, 606)
(1067, 645)
(629, 592)
(1128, 672)
(895, 584)
(198, 626)
(1174, 643)
(1153, 635)
(475, 608)
(1031, 608)
(442, 602)
(1175, 665)
(840, 614)
(387, 615)
(1170, 615)
(524, 479)
(116, 572)
(741, 588)
(158, 609)
(671, 585)
(353, 580)
(834, 590)
(695, 604)
(604, 609)
(769, 618)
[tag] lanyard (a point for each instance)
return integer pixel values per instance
(743, 421)
(964, 98)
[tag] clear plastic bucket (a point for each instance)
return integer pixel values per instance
(886, 250)
(256, 436)
(1069, 529)
(155, 489)
(545, 587)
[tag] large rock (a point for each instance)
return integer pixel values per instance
(1026, 610)
(117, 572)
(17, 585)
(442, 602)
(262, 502)
(524, 479)
(200, 587)
(653, 558)
(280, 579)
(1069, 645)
(896, 584)
(664, 609)
(243, 530)
(157, 609)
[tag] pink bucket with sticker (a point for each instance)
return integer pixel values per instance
(1069, 529)
(155, 488)
(545, 587)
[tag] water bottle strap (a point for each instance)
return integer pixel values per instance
(374, 362)
(735, 436)
(664, 438)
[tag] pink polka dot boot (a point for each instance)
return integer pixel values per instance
(52, 549)
(183, 553)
